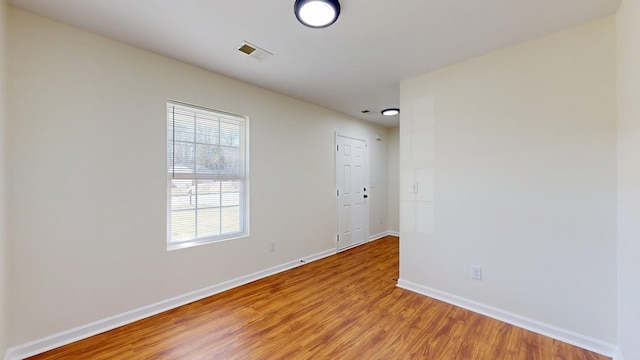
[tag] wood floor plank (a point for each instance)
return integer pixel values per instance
(346, 306)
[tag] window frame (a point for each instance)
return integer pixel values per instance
(242, 178)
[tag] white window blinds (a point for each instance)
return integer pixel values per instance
(206, 169)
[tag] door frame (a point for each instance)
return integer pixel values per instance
(365, 225)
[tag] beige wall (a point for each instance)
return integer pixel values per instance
(394, 179)
(628, 30)
(514, 154)
(3, 254)
(86, 185)
(378, 184)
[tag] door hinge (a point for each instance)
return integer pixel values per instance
(338, 192)
(337, 147)
(338, 237)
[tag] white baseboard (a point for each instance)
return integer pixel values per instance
(382, 234)
(100, 326)
(551, 331)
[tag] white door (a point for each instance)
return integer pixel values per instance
(352, 178)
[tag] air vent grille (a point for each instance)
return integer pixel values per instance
(254, 51)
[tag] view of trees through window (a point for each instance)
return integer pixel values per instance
(206, 169)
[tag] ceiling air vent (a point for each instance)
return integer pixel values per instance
(254, 51)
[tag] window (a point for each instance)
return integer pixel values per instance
(207, 183)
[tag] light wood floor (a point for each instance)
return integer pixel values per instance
(346, 306)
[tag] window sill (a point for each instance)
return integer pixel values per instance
(203, 241)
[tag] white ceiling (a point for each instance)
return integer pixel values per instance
(355, 64)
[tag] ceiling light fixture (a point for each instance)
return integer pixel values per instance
(390, 112)
(317, 13)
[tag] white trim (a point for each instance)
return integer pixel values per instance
(551, 331)
(82, 332)
(371, 238)
(381, 235)
(242, 175)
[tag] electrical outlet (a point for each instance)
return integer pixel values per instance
(272, 246)
(476, 273)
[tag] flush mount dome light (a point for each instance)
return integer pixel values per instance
(317, 13)
(390, 112)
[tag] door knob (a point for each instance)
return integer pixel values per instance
(366, 196)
